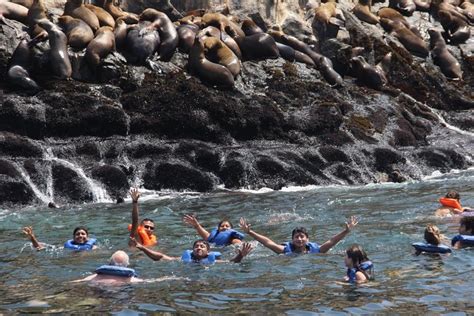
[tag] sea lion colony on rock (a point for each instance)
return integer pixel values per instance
(217, 42)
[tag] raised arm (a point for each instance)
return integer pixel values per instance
(191, 220)
(267, 242)
(135, 194)
(242, 252)
(28, 231)
(155, 255)
(337, 238)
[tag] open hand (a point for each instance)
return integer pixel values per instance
(245, 249)
(28, 231)
(244, 225)
(191, 220)
(353, 221)
(135, 194)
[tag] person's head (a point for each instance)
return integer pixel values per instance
(466, 225)
(224, 225)
(201, 249)
(299, 237)
(80, 235)
(453, 195)
(119, 258)
(432, 234)
(148, 225)
(355, 255)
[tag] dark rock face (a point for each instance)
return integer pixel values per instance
(281, 124)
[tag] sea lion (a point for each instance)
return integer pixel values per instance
(255, 47)
(406, 7)
(58, 55)
(291, 54)
(457, 30)
(13, 11)
(116, 12)
(76, 9)
(196, 12)
(168, 34)
(422, 5)
(78, 32)
(406, 37)
(208, 71)
(362, 10)
(186, 33)
(441, 56)
(325, 22)
(36, 13)
(25, 3)
(223, 36)
(394, 15)
(102, 44)
(221, 22)
(372, 76)
(216, 51)
(249, 27)
(141, 42)
(468, 10)
(18, 74)
(105, 19)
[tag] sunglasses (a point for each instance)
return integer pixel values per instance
(149, 227)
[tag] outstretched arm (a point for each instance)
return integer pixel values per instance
(135, 194)
(267, 242)
(155, 255)
(337, 238)
(28, 231)
(192, 221)
(242, 252)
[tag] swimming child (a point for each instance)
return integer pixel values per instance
(299, 239)
(433, 243)
(359, 267)
(222, 235)
(451, 205)
(80, 241)
(466, 233)
(144, 231)
(199, 254)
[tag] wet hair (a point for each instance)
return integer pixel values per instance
(202, 241)
(223, 221)
(356, 254)
(299, 230)
(432, 234)
(148, 220)
(80, 228)
(468, 222)
(453, 195)
(119, 258)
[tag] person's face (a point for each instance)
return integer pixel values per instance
(347, 261)
(224, 226)
(299, 240)
(80, 237)
(149, 227)
(200, 250)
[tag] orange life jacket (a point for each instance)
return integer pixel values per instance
(145, 239)
(450, 203)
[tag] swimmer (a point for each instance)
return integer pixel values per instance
(114, 273)
(466, 233)
(223, 235)
(451, 205)
(433, 238)
(144, 231)
(359, 267)
(80, 241)
(199, 254)
(300, 239)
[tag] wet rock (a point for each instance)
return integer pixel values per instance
(143, 149)
(18, 146)
(24, 116)
(235, 173)
(39, 172)
(444, 160)
(113, 178)
(385, 158)
(69, 185)
(177, 176)
(14, 191)
(333, 154)
(7, 168)
(90, 149)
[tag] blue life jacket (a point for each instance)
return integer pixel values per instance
(116, 270)
(420, 246)
(211, 258)
(311, 247)
(224, 238)
(364, 266)
(80, 247)
(466, 240)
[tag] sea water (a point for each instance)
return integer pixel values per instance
(391, 217)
